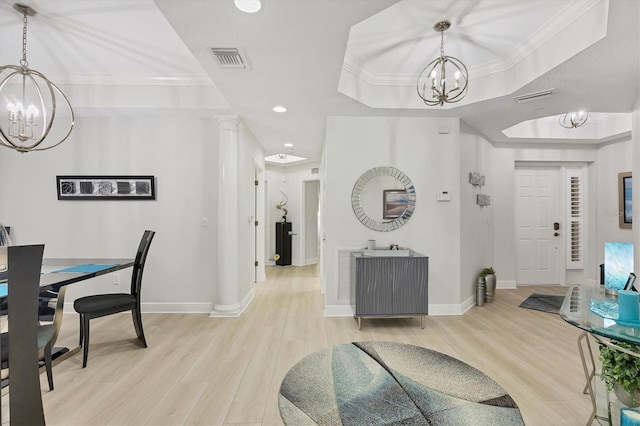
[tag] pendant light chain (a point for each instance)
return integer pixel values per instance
(24, 61)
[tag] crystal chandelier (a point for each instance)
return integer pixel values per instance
(445, 79)
(31, 102)
(571, 120)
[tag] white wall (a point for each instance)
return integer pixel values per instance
(431, 160)
(476, 222)
(612, 159)
(182, 154)
(180, 275)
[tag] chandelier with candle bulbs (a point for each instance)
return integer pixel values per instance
(572, 120)
(445, 79)
(33, 104)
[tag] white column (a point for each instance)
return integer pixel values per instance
(228, 227)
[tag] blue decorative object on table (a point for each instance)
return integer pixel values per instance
(618, 263)
(628, 305)
(86, 268)
(629, 417)
(610, 310)
(604, 308)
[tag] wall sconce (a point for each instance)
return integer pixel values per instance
(476, 179)
(483, 200)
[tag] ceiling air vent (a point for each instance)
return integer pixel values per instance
(533, 96)
(228, 57)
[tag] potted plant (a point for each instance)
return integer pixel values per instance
(621, 372)
(488, 275)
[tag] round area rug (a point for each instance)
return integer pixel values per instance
(385, 383)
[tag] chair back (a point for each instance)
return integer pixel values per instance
(25, 263)
(138, 264)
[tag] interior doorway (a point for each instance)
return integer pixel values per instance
(259, 220)
(311, 231)
(537, 220)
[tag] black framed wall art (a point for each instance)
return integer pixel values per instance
(106, 187)
(624, 200)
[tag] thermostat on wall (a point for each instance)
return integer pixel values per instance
(443, 196)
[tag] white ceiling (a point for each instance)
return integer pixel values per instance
(350, 57)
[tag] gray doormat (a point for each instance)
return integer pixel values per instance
(543, 302)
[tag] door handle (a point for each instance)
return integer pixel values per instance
(555, 234)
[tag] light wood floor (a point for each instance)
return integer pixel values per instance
(213, 371)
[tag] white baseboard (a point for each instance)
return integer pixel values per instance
(435, 310)
(468, 304)
(443, 310)
(338, 311)
(162, 308)
(243, 306)
(506, 284)
(177, 308)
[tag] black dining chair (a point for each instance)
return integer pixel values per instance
(25, 338)
(99, 305)
(46, 338)
(46, 334)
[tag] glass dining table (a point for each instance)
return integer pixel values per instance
(595, 312)
(25, 407)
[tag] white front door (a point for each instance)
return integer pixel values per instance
(536, 212)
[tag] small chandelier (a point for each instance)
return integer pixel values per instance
(31, 102)
(571, 120)
(435, 86)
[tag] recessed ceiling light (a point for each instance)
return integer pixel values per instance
(279, 108)
(288, 145)
(248, 6)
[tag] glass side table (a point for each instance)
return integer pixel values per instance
(595, 312)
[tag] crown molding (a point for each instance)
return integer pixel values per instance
(132, 80)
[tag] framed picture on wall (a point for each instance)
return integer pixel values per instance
(394, 203)
(625, 213)
(106, 187)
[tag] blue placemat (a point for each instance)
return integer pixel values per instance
(87, 268)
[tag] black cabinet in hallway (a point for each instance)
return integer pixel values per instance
(283, 243)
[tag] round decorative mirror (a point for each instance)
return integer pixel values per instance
(383, 199)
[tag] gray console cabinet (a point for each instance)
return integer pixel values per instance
(393, 286)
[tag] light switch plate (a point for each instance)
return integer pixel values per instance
(443, 196)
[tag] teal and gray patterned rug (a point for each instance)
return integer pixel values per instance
(386, 383)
